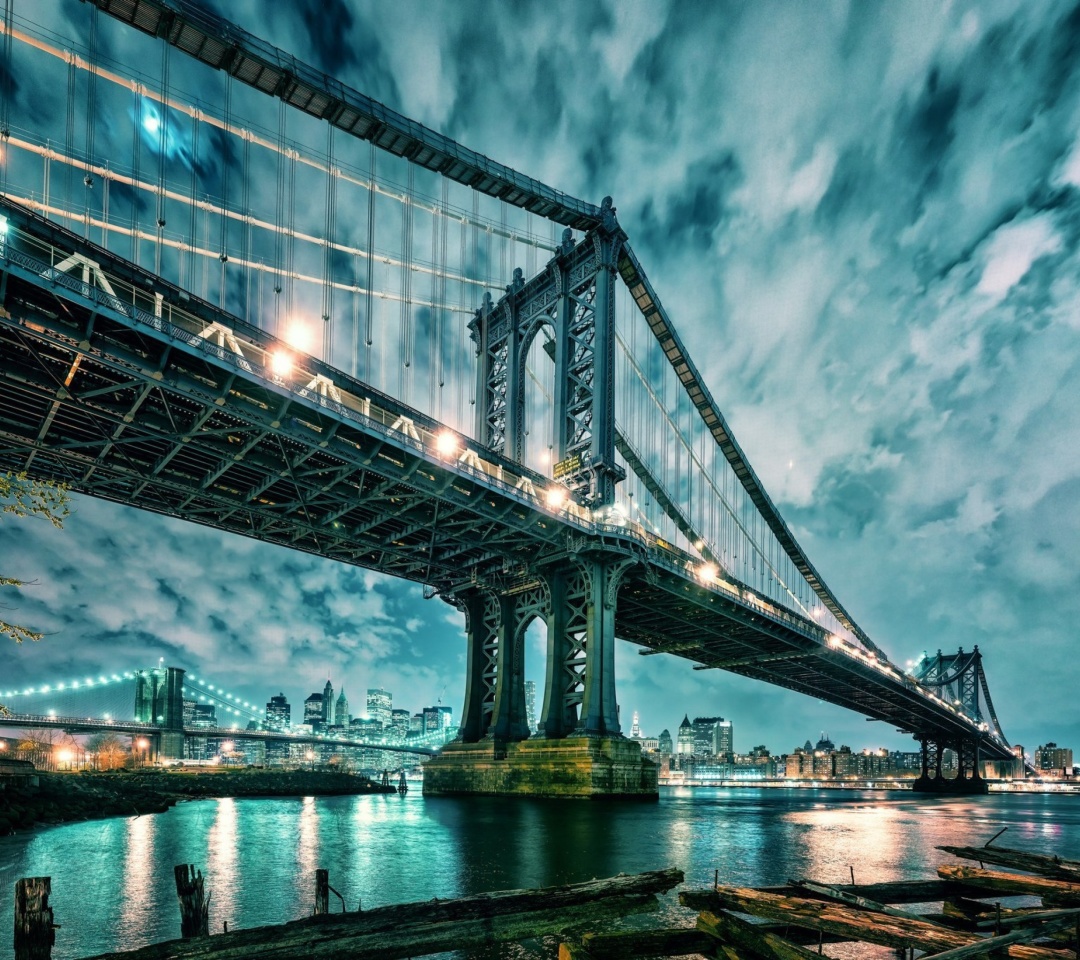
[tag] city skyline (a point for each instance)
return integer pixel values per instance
(874, 262)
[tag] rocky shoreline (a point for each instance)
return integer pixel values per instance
(64, 798)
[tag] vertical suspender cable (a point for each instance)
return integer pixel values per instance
(193, 229)
(279, 217)
(368, 320)
(405, 340)
(163, 150)
(328, 249)
(245, 204)
(5, 90)
(223, 246)
(290, 235)
(136, 156)
(91, 110)
(69, 127)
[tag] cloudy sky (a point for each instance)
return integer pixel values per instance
(863, 219)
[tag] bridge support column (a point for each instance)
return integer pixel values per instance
(579, 752)
(968, 779)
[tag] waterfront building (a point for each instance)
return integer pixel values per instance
(1054, 760)
(685, 745)
(278, 713)
(704, 729)
(380, 705)
(313, 708)
(341, 709)
(328, 703)
(530, 705)
(724, 739)
(416, 724)
(189, 712)
(664, 744)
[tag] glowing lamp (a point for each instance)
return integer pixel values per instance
(707, 572)
(281, 363)
(446, 443)
(555, 497)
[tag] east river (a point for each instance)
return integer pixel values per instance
(112, 880)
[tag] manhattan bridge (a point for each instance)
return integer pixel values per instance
(238, 292)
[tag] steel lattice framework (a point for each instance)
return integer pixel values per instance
(128, 388)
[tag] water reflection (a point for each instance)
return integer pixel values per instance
(138, 875)
(259, 856)
(221, 865)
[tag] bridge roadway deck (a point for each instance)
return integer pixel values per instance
(83, 725)
(149, 404)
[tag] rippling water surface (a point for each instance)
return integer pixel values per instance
(113, 889)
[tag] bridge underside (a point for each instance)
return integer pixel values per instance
(146, 401)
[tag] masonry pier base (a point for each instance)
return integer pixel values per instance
(576, 768)
(960, 786)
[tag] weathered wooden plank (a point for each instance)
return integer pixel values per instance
(746, 938)
(1048, 866)
(991, 944)
(34, 928)
(854, 924)
(670, 942)
(854, 900)
(333, 935)
(325, 941)
(892, 892)
(1013, 884)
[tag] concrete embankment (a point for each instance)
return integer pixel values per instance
(61, 798)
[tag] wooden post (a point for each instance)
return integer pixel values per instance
(194, 909)
(34, 928)
(322, 891)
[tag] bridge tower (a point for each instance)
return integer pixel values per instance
(159, 699)
(958, 679)
(575, 594)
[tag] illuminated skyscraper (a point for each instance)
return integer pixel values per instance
(380, 706)
(328, 703)
(341, 709)
(278, 713)
(530, 705)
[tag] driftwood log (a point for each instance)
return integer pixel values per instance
(434, 926)
(852, 924)
(1061, 892)
(1039, 863)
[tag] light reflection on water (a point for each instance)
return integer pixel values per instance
(259, 856)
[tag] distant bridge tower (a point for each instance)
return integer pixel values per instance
(159, 699)
(958, 679)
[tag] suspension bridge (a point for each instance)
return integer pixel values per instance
(150, 704)
(404, 356)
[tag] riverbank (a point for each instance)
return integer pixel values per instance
(68, 797)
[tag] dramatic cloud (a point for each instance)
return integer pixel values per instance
(864, 220)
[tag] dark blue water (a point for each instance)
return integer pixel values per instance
(113, 889)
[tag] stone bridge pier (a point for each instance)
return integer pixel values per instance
(579, 750)
(968, 779)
